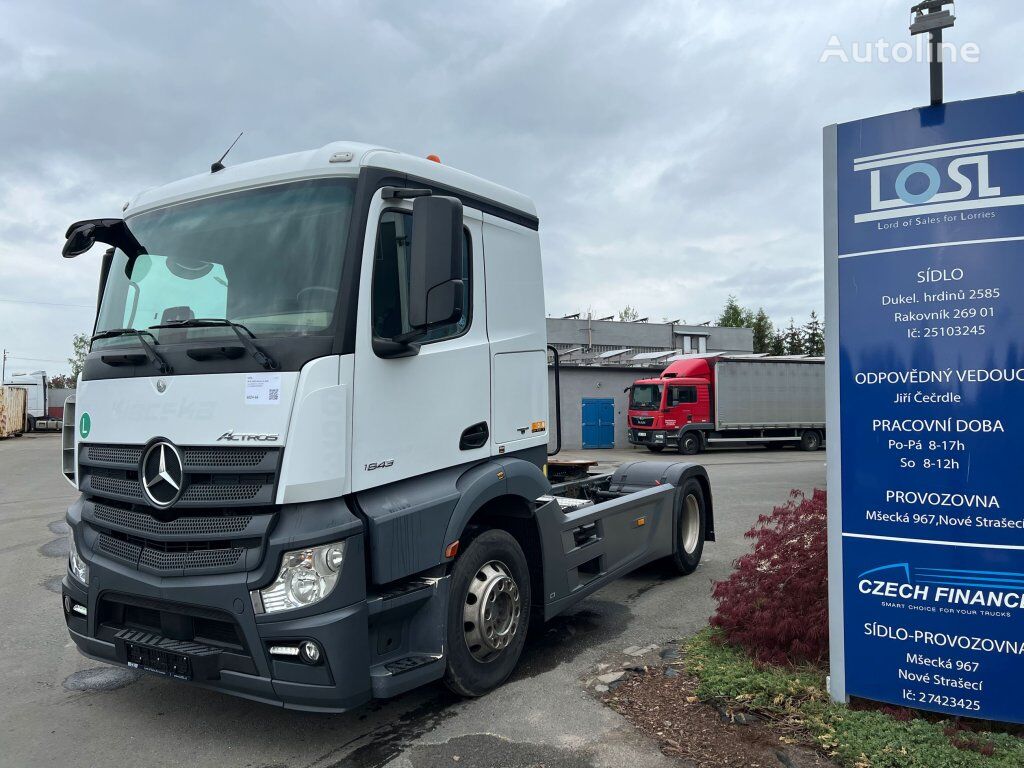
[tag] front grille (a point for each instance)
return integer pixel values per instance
(220, 493)
(132, 520)
(213, 476)
(192, 561)
(116, 486)
(116, 454)
(223, 457)
(179, 556)
(643, 421)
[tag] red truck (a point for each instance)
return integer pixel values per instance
(707, 400)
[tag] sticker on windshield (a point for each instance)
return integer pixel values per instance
(263, 389)
(84, 425)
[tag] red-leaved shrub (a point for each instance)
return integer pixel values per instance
(775, 604)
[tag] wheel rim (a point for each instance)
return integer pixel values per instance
(492, 611)
(691, 524)
(689, 443)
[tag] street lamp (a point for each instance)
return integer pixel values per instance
(930, 16)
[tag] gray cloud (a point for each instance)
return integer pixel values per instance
(673, 148)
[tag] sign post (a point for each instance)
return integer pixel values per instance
(924, 271)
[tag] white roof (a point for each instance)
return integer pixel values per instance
(316, 163)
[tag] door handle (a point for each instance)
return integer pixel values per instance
(474, 437)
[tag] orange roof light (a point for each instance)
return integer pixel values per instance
(435, 158)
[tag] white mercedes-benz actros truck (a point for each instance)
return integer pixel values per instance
(310, 438)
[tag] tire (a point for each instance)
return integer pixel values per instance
(655, 448)
(31, 424)
(690, 443)
(478, 663)
(810, 440)
(691, 528)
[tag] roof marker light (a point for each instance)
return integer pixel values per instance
(434, 158)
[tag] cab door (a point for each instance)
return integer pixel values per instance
(430, 410)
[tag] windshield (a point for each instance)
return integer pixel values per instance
(645, 397)
(268, 258)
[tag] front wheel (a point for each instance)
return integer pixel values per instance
(488, 613)
(689, 444)
(691, 527)
(31, 424)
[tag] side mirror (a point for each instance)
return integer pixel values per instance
(437, 292)
(80, 238)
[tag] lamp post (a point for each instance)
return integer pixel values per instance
(930, 16)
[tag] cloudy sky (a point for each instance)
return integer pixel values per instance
(673, 149)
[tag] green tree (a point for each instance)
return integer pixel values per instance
(80, 348)
(794, 339)
(628, 314)
(814, 336)
(778, 344)
(735, 316)
(764, 332)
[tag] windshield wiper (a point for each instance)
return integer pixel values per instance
(240, 330)
(154, 357)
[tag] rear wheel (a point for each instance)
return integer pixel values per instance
(810, 440)
(689, 444)
(691, 526)
(488, 613)
(655, 448)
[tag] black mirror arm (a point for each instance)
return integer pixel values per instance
(109, 231)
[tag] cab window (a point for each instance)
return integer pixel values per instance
(390, 305)
(681, 395)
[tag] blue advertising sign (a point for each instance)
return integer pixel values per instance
(924, 259)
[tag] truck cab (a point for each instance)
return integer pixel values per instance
(311, 432)
(671, 410)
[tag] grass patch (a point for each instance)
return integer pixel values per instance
(853, 738)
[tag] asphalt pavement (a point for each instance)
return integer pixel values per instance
(59, 708)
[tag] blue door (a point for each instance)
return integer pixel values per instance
(598, 422)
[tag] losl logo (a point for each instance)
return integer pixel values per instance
(944, 178)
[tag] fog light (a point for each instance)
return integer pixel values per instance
(80, 609)
(309, 652)
(67, 604)
(284, 650)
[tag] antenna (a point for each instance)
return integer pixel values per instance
(219, 165)
(931, 17)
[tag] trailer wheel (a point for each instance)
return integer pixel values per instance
(810, 440)
(488, 613)
(691, 526)
(689, 444)
(655, 448)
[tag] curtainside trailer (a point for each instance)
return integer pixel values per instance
(701, 401)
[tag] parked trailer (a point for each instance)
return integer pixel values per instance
(36, 386)
(13, 405)
(705, 400)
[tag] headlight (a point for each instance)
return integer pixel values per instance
(76, 565)
(306, 577)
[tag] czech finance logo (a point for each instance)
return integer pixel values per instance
(162, 474)
(944, 178)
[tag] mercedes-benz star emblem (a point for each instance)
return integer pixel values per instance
(162, 475)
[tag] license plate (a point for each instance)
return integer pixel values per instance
(159, 662)
(641, 434)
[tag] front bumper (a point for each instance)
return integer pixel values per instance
(646, 436)
(203, 628)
